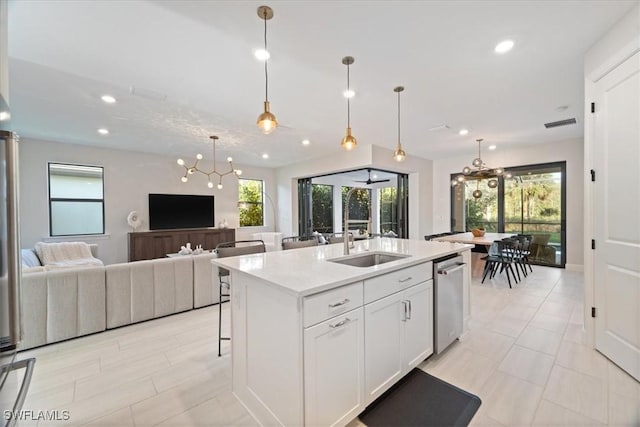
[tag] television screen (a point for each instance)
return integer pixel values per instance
(168, 211)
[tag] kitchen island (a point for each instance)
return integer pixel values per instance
(315, 340)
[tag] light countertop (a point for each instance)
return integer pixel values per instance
(306, 271)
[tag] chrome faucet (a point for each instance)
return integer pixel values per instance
(345, 233)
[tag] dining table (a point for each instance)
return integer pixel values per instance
(477, 263)
(485, 240)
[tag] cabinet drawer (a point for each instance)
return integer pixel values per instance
(381, 286)
(325, 305)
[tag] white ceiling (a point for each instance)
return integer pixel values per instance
(198, 57)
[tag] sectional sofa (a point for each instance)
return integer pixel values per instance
(62, 303)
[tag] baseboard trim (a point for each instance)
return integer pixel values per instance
(574, 267)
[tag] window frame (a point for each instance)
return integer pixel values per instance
(248, 203)
(71, 199)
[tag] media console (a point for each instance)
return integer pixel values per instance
(159, 243)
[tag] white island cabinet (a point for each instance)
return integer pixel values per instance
(314, 342)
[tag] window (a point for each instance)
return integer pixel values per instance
(532, 203)
(250, 202)
(322, 207)
(76, 200)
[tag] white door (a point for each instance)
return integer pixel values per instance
(418, 329)
(383, 344)
(334, 370)
(617, 215)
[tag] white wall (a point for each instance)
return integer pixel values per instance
(420, 183)
(128, 179)
(570, 151)
(4, 51)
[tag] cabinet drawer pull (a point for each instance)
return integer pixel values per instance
(338, 304)
(340, 323)
(405, 280)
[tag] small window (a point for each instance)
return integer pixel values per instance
(76, 200)
(250, 202)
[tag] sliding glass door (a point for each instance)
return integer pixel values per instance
(531, 202)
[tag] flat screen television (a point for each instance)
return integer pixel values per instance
(167, 211)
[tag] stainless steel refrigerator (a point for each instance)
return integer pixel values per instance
(15, 371)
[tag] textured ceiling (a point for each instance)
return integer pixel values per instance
(192, 66)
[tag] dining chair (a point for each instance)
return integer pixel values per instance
(295, 242)
(229, 249)
(525, 244)
(338, 238)
(501, 256)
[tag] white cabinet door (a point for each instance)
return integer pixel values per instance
(617, 209)
(418, 328)
(384, 321)
(334, 370)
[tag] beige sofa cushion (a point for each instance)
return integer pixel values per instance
(62, 304)
(205, 280)
(144, 290)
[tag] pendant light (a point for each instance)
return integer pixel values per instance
(267, 121)
(349, 141)
(399, 155)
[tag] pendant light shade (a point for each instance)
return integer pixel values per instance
(399, 155)
(349, 141)
(267, 121)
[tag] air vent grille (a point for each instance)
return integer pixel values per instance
(566, 122)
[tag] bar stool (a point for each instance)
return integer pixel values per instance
(229, 249)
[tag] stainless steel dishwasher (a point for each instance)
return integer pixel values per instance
(447, 307)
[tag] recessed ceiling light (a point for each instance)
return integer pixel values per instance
(103, 131)
(375, 176)
(492, 147)
(4, 115)
(261, 54)
(265, 156)
(350, 93)
(463, 131)
(108, 99)
(306, 142)
(504, 46)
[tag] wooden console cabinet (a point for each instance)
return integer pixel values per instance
(159, 243)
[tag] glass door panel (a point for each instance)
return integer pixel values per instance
(533, 204)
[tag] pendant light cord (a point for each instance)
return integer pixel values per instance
(398, 119)
(266, 74)
(348, 99)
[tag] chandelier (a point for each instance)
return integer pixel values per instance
(190, 170)
(267, 121)
(479, 171)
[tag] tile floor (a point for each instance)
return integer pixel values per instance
(524, 356)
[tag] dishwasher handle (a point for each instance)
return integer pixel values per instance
(451, 269)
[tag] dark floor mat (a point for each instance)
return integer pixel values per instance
(420, 399)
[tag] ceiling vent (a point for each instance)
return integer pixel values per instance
(441, 127)
(560, 123)
(147, 93)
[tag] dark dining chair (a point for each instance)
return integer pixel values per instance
(501, 257)
(229, 249)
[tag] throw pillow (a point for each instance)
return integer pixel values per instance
(29, 258)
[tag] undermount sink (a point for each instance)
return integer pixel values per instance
(368, 259)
